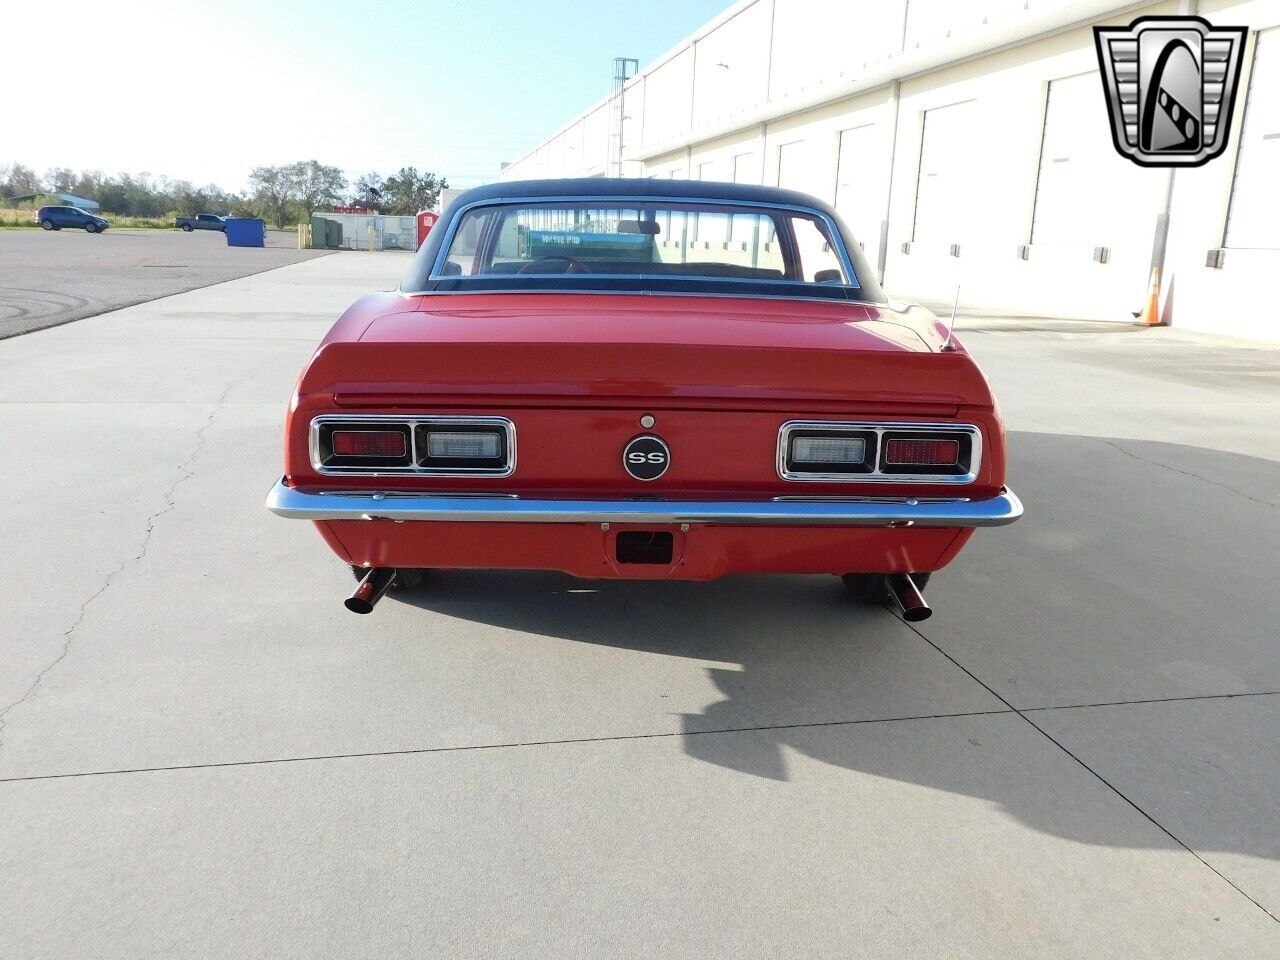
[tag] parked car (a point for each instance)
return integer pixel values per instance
(201, 221)
(55, 218)
(643, 379)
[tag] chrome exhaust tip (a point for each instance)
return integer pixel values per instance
(906, 595)
(371, 589)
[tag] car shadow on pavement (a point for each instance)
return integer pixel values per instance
(1141, 571)
(778, 651)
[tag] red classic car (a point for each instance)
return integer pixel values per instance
(645, 379)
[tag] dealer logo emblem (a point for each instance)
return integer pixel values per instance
(1170, 83)
(646, 457)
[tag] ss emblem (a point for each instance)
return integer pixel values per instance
(646, 457)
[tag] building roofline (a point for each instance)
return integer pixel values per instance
(900, 66)
(1033, 24)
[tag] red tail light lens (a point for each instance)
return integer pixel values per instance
(922, 453)
(369, 443)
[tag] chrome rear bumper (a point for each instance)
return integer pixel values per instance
(780, 511)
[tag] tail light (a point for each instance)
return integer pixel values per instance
(355, 446)
(370, 443)
(433, 446)
(819, 450)
(939, 455)
(465, 446)
(830, 450)
(442, 446)
(901, 452)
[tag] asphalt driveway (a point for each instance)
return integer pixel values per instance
(50, 278)
(203, 753)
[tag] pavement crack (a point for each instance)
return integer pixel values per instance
(186, 471)
(1195, 476)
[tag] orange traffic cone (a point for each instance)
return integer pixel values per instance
(1150, 315)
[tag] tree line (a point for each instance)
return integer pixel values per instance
(282, 194)
(310, 186)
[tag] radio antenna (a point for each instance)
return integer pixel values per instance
(947, 345)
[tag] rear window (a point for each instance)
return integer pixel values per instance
(564, 244)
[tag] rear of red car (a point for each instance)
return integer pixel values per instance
(610, 433)
(493, 399)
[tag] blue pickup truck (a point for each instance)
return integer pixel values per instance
(201, 221)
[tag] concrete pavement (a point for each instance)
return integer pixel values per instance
(203, 753)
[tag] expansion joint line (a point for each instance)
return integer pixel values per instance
(1098, 776)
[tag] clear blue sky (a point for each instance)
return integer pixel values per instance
(203, 91)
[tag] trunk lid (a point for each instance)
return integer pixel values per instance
(662, 350)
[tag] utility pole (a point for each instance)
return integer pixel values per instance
(624, 68)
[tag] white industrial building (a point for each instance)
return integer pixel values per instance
(965, 142)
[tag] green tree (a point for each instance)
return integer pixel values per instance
(407, 192)
(273, 188)
(367, 191)
(190, 200)
(316, 185)
(60, 179)
(17, 180)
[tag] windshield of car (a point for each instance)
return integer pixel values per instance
(661, 240)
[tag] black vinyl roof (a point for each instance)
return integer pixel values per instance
(640, 187)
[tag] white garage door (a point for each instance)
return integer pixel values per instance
(1254, 220)
(951, 192)
(795, 168)
(1086, 193)
(860, 186)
